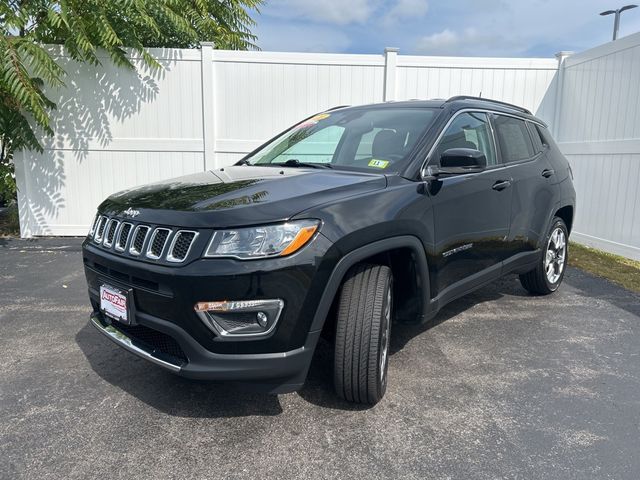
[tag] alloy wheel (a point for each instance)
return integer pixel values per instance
(555, 257)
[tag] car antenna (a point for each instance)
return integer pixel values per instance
(480, 96)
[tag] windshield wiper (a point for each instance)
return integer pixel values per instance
(294, 162)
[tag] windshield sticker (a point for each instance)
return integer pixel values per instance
(313, 120)
(320, 116)
(379, 163)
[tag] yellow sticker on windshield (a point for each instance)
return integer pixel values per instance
(312, 121)
(379, 163)
(320, 116)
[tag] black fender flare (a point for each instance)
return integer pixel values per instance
(558, 206)
(361, 253)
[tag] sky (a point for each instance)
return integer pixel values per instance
(485, 28)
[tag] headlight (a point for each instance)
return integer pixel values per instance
(264, 241)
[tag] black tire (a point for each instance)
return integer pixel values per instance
(363, 327)
(537, 281)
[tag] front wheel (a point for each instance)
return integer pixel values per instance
(548, 274)
(363, 329)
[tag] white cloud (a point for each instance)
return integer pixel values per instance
(337, 12)
(408, 9)
(469, 41)
(438, 42)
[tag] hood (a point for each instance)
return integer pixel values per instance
(236, 196)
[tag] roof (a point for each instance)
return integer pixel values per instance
(458, 102)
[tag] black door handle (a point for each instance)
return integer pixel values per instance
(547, 172)
(501, 184)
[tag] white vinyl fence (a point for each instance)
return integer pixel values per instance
(598, 129)
(207, 108)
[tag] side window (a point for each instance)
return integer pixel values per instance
(538, 143)
(468, 130)
(513, 138)
(547, 141)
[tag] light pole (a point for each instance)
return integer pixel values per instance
(616, 22)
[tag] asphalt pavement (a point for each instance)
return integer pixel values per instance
(499, 385)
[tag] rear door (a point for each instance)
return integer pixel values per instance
(471, 211)
(525, 158)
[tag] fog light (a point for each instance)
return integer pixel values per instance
(241, 318)
(262, 319)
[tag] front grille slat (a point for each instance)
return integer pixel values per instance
(139, 237)
(181, 245)
(110, 232)
(157, 243)
(123, 236)
(141, 240)
(94, 224)
(102, 223)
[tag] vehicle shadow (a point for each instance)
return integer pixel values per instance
(318, 389)
(168, 393)
(181, 397)
(177, 396)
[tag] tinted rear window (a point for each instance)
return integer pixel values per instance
(513, 138)
(538, 142)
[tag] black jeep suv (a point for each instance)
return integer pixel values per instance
(348, 221)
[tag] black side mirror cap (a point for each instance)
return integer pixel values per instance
(463, 157)
(456, 161)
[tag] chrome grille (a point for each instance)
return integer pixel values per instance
(102, 223)
(123, 236)
(139, 236)
(129, 238)
(157, 243)
(181, 245)
(93, 225)
(110, 232)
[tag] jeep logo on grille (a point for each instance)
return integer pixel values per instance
(130, 212)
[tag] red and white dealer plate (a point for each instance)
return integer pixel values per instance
(113, 302)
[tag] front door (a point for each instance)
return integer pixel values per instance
(471, 211)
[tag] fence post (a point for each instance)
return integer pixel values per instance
(561, 56)
(24, 208)
(208, 105)
(390, 64)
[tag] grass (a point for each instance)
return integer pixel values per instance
(620, 270)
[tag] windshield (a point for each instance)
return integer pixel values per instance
(360, 139)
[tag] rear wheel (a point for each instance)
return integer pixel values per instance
(548, 274)
(363, 329)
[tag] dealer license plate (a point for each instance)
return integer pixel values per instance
(113, 303)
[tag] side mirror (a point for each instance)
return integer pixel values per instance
(457, 161)
(462, 160)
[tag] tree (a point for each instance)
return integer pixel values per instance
(84, 27)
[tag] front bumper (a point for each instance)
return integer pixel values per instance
(274, 372)
(163, 299)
